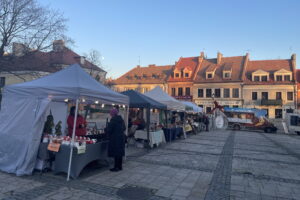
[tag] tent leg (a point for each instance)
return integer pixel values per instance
(72, 141)
(148, 125)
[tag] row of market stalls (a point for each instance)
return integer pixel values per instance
(26, 108)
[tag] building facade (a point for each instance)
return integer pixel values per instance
(271, 85)
(232, 81)
(180, 83)
(144, 79)
(219, 79)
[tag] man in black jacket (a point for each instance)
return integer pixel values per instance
(116, 136)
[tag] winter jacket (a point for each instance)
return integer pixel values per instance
(80, 126)
(115, 130)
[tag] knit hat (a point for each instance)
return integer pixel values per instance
(113, 112)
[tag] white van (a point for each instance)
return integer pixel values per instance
(293, 122)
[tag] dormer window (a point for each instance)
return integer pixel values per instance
(177, 75)
(209, 75)
(260, 75)
(226, 74)
(186, 72)
(283, 75)
(186, 75)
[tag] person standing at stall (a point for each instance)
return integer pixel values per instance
(116, 145)
(80, 124)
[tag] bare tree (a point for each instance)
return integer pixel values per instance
(94, 57)
(28, 23)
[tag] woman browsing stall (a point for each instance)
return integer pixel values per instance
(80, 124)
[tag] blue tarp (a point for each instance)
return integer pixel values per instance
(257, 112)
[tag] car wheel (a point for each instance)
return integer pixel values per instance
(236, 127)
(268, 130)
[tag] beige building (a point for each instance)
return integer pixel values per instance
(271, 85)
(144, 79)
(219, 79)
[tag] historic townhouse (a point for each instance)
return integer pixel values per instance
(219, 79)
(144, 79)
(180, 83)
(271, 85)
(298, 88)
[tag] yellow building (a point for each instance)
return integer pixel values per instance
(271, 85)
(144, 79)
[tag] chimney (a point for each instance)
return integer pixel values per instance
(219, 58)
(201, 57)
(18, 49)
(80, 60)
(58, 45)
(138, 66)
(152, 65)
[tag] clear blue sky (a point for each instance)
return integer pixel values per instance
(160, 31)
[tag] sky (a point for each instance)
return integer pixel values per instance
(132, 32)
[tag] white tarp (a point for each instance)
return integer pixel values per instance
(159, 95)
(24, 110)
(195, 108)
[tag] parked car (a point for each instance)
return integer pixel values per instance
(248, 119)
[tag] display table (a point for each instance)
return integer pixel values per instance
(172, 133)
(155, 137)
(93, 152)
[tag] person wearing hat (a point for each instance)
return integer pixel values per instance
(116, 145)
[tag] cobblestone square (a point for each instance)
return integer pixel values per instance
(210, 165)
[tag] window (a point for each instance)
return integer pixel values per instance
(209, 75)
(208, 109)
(235, 93)
(186, 75)
(278, 78)
(187, 91)
(146, 90)
(173, 91)
(177, 75)
(264, 78)
(201, 106)
(226, 93)
(264, 95)
(278, 95)
(218, 93)
(200, 93)
(208, 93)
(235, 106)
(254, 95)
(2, 82)
(256, 78)
(267, 111)
(295, 121)
(290, 96)
(227, 75)
(287, 77)
(180, 91)
(278, 113)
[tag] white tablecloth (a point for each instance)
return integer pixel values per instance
(156, 137)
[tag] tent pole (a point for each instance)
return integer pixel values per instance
(126, 119)
(148, 124)
(72, 141)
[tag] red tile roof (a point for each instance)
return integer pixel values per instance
(146, 75)
(46, 61)
(189, 63)
(269, 66)
(236, 64)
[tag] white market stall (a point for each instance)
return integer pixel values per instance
(195, 108)
(172, 105)
(24, 110)
(159, 95)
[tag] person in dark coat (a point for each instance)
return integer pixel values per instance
(206, 122)
(116, 136)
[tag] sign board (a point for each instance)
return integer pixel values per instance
(81, 149)
(53, 147)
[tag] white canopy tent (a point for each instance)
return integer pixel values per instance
(195, 108)
(159, 95)
(23, 113)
